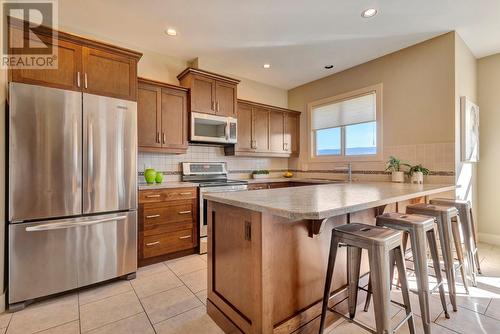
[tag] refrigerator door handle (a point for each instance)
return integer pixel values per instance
(90, 157)
(69, 224)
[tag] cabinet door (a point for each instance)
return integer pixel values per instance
(203, 95)
(69, 68)
(260, 129)
(174, 119)
(225, 99)
(276, 131)
(149, 116)
(109, 74)
(245, 140)
(292, 133)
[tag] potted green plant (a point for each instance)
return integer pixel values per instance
(260, 174)
(417, 173)
(394, 165)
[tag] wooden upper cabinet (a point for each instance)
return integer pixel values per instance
(203, 95)
(261, 129)
(162, 117)
(276, 131)
(225, 99)
(266, 131)
(292, 133)
(82, 65)
(174, 122)
(109, 74)
(244, 128)
(149, 116)
(210, 93)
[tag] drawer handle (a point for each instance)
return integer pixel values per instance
(184, 212)
(153, 243)
(152, 196)
(152, 216)
(186, 193)
(185, 237)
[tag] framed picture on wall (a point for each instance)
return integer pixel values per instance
(469, 130)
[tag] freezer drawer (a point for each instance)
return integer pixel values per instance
(53, 256)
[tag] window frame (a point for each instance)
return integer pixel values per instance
(311, 145)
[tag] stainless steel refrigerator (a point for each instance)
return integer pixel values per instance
(72, 190)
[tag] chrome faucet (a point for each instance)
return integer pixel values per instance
(347, 168)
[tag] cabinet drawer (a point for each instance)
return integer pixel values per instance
(258, 186)
(156, 229)
(168, 213)
(161, 195)
(280, 185)
(168, 243)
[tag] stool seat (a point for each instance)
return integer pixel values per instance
(432, 209)
(406, 222)
(369, 234)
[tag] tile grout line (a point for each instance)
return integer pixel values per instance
(46, 329)
(142, 306)
(79, 315)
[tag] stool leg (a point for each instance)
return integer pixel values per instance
(328, 283)
(431, 238)
(368, 294)
(473, 228)
(460, 254)
(465, 225)
(380, 276)
(353, 267)
(444, 230)
(404, 243)
(400, 264)
(418, 244)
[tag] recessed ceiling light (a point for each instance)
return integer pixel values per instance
(370, 12)
(329, 67)
(171, 32)
(267, 65)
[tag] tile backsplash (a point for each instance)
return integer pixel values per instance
(170, 164)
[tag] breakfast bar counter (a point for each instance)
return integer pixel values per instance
(268, 249)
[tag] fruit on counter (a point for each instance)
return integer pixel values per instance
(150, 175)
(288, 174)
(159, 177)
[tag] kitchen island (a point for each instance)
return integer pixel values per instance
(268, 250)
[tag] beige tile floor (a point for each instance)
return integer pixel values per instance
(170, 297)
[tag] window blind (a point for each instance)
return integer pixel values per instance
(357, 110)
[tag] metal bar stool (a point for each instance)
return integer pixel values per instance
(384, 247)
(447, 231)
(418, 228)
(468, 230)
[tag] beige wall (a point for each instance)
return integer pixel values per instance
(418, 103)
(465, 85)
(488, 166)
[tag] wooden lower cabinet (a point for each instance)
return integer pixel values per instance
(167, 224)
(274, 185)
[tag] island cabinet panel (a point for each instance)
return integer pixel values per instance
(167, 224)
(265, 131)
(82, 64)
(281, 268)
(210, 93)
(162, 117)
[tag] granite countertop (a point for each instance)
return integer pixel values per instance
(166, 185)
(326, 200)
(293, 179)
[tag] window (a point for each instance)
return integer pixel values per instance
(347, 127)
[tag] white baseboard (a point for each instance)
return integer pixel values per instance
(492, 239)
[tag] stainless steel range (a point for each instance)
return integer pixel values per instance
(212, 178)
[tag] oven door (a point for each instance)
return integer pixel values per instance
(209, 128)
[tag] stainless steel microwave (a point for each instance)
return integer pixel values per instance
(207, 128)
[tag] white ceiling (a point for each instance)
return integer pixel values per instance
(297, 37)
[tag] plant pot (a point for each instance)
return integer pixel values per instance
(150, 175)
(417, 178)
(260, 176)
(398, 177)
